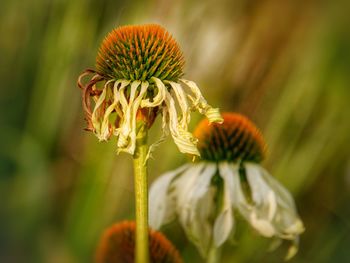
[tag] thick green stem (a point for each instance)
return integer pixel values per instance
(214, 255)
(141, 196)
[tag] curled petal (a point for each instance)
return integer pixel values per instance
(85, 73)
(159, 98)
(201, 201)
(127, 130)
(224, 222)
(183, 139)
(201, 104)
(194, 211)
(182, 100)
(293, 249)
(106, 127)
(213, 115)
(273, 211)
(95, 118)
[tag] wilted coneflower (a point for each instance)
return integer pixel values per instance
(117, 245)
(229, 178)
(138, 75)
(139, 72)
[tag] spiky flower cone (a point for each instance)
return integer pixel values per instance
(118, 242)
(236, 139)
(140, 70)
(140, 53)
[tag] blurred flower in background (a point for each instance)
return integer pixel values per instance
(284, 64)
(204, 195)
(117, 245)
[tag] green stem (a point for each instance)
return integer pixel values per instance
(214, 255)
(141, 196)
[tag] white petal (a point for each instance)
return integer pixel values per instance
(203, 184)
(234, 186)
(196, 205)
(201, 104)
(184, 187)
(273, 204)
(264, 227)
(95, 118)
(213, 115)
(181, 97)
(114, 106)
(293, 249)
(127, 130)
(159, 98)
(264, 199)
(161, 206)
(224, 222)
(194, 212)
(182, 138)
(201, 227)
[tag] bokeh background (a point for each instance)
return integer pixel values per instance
(285, 64)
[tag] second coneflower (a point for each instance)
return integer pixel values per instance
(229, 178)
(139, 71)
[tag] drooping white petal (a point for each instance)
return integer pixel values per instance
(195, 204)
(224, 222)
(114, 106)
(116, 102)
(182, 100)
(238, 198)
(95, 118)
(127, 130)
(159, 98)
(202, 228)
(165, 133)
(293, 249)
(285, 218)
(203, 182)
(201, 104)
(183, 187)
(263, 226)
(202, 201)
(182, 138)
(126, 125)
(273, 212)
(161, 205)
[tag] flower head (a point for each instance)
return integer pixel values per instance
(138, 75)
(140, 53)
(117, 245)
(204, 196)
(236, 139)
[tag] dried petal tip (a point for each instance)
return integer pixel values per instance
(117, 245)
(236, 139)
(140, 53)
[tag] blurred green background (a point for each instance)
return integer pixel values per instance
(285, 64)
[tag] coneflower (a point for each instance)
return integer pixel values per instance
(229, 178)
(138, 75)
(140, 71)
(117, 245)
